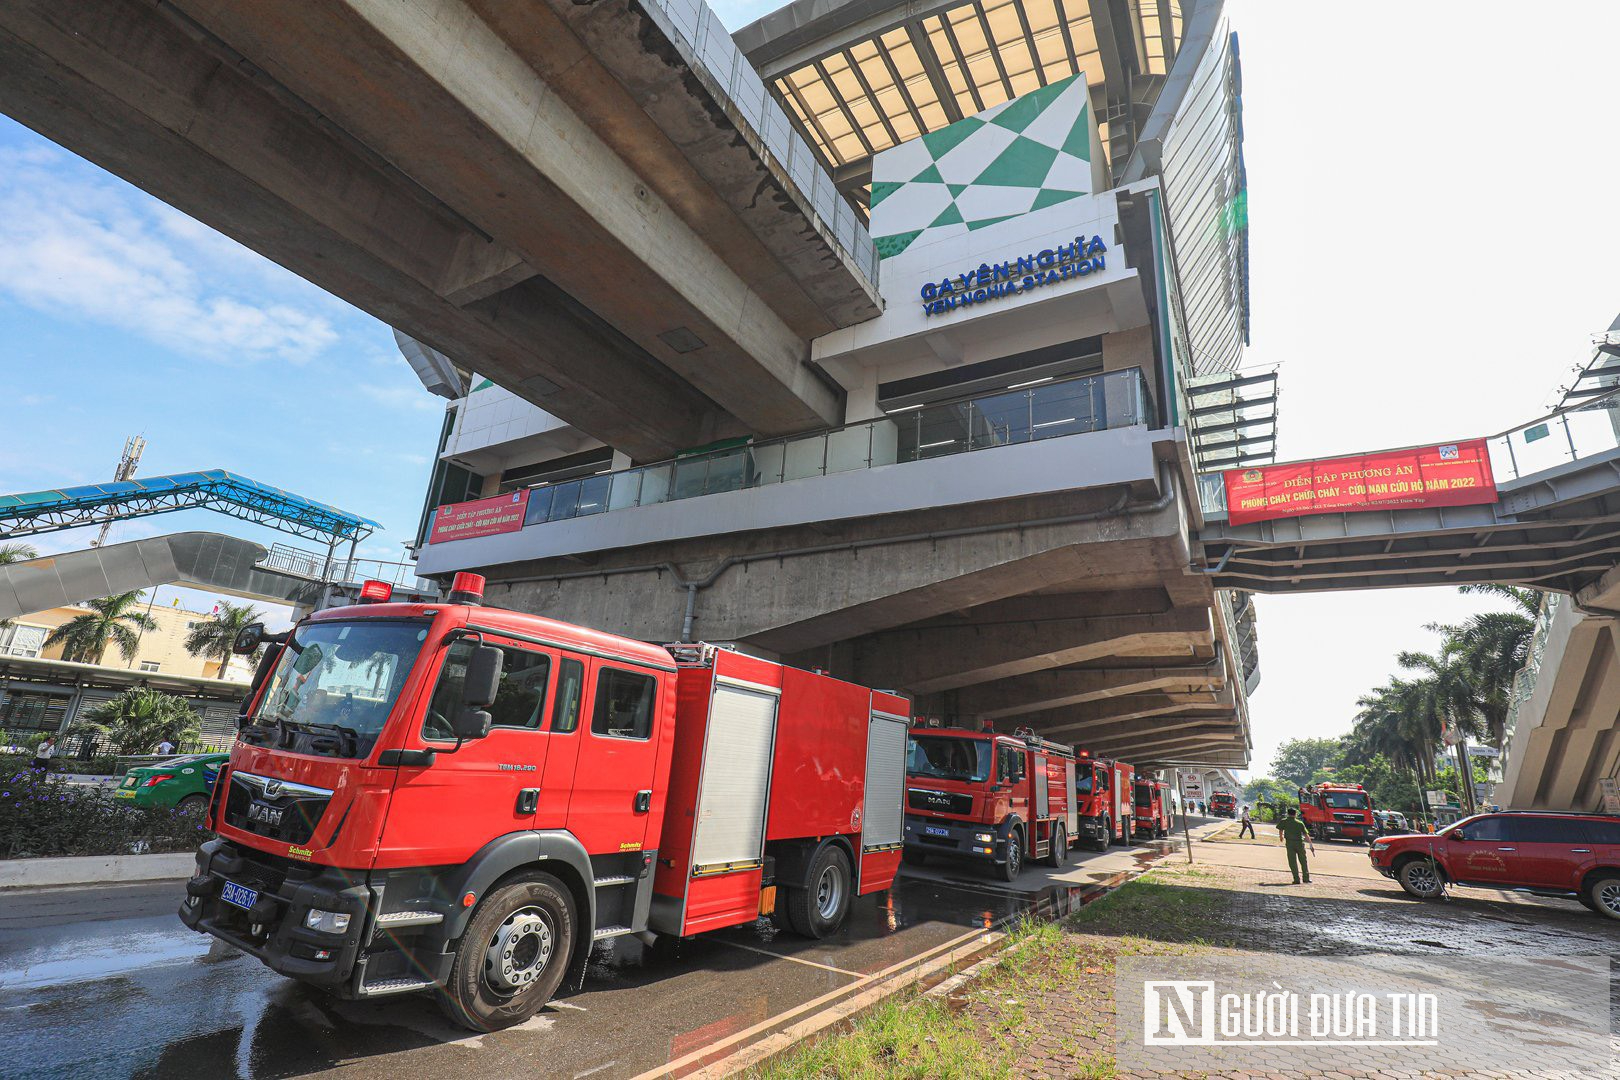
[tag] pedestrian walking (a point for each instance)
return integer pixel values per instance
(165, 747)
(1295, 836)
(43, 753)
(1248, 824)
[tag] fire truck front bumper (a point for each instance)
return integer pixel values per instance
(1346, 830)
(970, 840)
(307, 926)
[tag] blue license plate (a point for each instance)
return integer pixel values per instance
(239, 895)
(935, 830)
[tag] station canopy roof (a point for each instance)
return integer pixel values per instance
(860, 76)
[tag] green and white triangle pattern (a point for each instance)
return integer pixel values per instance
(1022, 155)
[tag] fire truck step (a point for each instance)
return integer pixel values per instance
(616, 879)
(394, 986)
(410, 918)
(610, 931)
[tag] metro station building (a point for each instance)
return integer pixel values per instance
(1023, 251)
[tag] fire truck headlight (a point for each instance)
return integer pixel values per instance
(327, 922)
(983, 837)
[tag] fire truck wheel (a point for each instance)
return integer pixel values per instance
(1014, 865)
(1107, 837)
(819, 910)
(1059, 852)
(512, 955)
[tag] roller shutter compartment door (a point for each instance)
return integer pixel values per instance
(736, 781)
(883, 815)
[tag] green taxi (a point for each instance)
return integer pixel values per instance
(186, 782)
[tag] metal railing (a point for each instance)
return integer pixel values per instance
(1558, 438)
(319, 566)
(1051, 410)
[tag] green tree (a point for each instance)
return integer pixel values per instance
(212, 640)
(138, 719)
(1298, 760)
(15, 553)
(111, 620)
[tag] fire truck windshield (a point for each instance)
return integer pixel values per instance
(1082, 780)
(334, 686)
(947, 758)
(1345, 800)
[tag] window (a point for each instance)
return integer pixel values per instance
(30, 710)
(1546, 830)
(945, 757)
(1009, 764)
(149, 665)
(1345, 800)
(20, 640)
(565, 710)
(1485, 829)
(624, 704)
(518, 700)
(1603, 832)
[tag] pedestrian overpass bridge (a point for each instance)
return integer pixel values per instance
(1555, 525)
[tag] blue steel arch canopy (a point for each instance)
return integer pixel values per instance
(33, 512)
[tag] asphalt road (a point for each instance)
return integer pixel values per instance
(106, 982)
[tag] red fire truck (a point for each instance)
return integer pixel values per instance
(1338, 810)
(1223, 804)
(1152, 808)
(463, 799)
(1106, 800)
(996, 798)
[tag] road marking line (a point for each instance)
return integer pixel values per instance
(599, 1068)
(568, 1005)
(795, 959)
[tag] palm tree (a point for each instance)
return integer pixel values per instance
(15, 553)
(1528, 601)
(213, 639)
(112, 620)
(138, 719)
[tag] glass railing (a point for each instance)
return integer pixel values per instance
(1571, 434)
(1051, 410)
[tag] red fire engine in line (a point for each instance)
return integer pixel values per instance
(463, 799)
(1338, 810)
(1223, 804)
(1104, 791)
(995, 798)
(1152, 808)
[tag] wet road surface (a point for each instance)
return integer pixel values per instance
(104, 981)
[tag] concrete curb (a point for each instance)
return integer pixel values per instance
(94, 870)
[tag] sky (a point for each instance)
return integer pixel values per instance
(1432, 230)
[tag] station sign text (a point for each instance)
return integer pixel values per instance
(994, 281)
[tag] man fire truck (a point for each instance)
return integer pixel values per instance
(1338, 810)
(463, 799)
(995, 798)
(1152, 808)
(1106, 801)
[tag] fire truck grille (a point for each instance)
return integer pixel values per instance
(274, 809)
(944, 802)
(1347, 817)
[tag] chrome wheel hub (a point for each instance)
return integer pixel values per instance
(1422, 877)
(1608, 897)
(519, 952)
(829, 893)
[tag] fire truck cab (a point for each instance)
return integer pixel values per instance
(1152, 814)
(461, 799)
(1106, 797)
(1223, 804)
(1338, 811)
(999, 799)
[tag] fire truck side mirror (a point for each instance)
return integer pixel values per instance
(248, 639)
(482, 683)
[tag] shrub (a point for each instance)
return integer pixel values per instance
(138, 719)
(44, 815)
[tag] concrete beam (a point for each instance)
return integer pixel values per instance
(1080, 721)
(945, 658)
(1214, 738)
(469, 119)
(1139, 727)
(157, 101)
(1042, 690)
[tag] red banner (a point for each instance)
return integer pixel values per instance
(1452, 474)
(481, 517)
